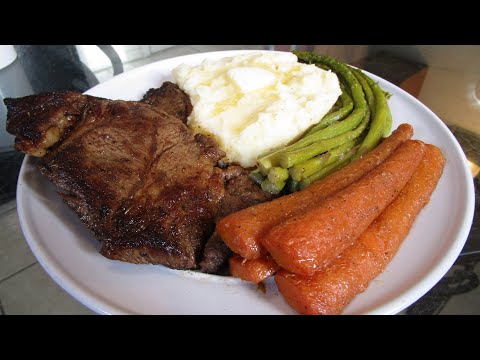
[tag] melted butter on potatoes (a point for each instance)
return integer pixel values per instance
(255, 102)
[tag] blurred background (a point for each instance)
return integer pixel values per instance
(445, 78)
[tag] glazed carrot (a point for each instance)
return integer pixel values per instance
(252, 270)
(331, 290)
(308, 242)
(242, 230)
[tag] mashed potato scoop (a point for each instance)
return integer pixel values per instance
(256, 102)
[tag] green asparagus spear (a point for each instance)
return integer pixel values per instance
(309, 167)
(366, 89)
(257, 176)
(292, 185)
(272, 187)
(276, 174)
(291, 158)
(327, 170)
(379, 121)
(298, 172)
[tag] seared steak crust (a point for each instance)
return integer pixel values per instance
(145, 185)
(140, 181)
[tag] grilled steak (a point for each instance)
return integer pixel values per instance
(145, 185)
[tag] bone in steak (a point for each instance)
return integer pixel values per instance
(145, 185)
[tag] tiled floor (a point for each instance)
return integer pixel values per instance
(15, 254)
(25, 288)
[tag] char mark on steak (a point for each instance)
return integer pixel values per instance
(145, 185)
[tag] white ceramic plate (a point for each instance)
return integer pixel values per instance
(69, 252)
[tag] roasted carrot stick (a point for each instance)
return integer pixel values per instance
(308, 242)
(331, 290)
(252, 270)
(242, 230)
